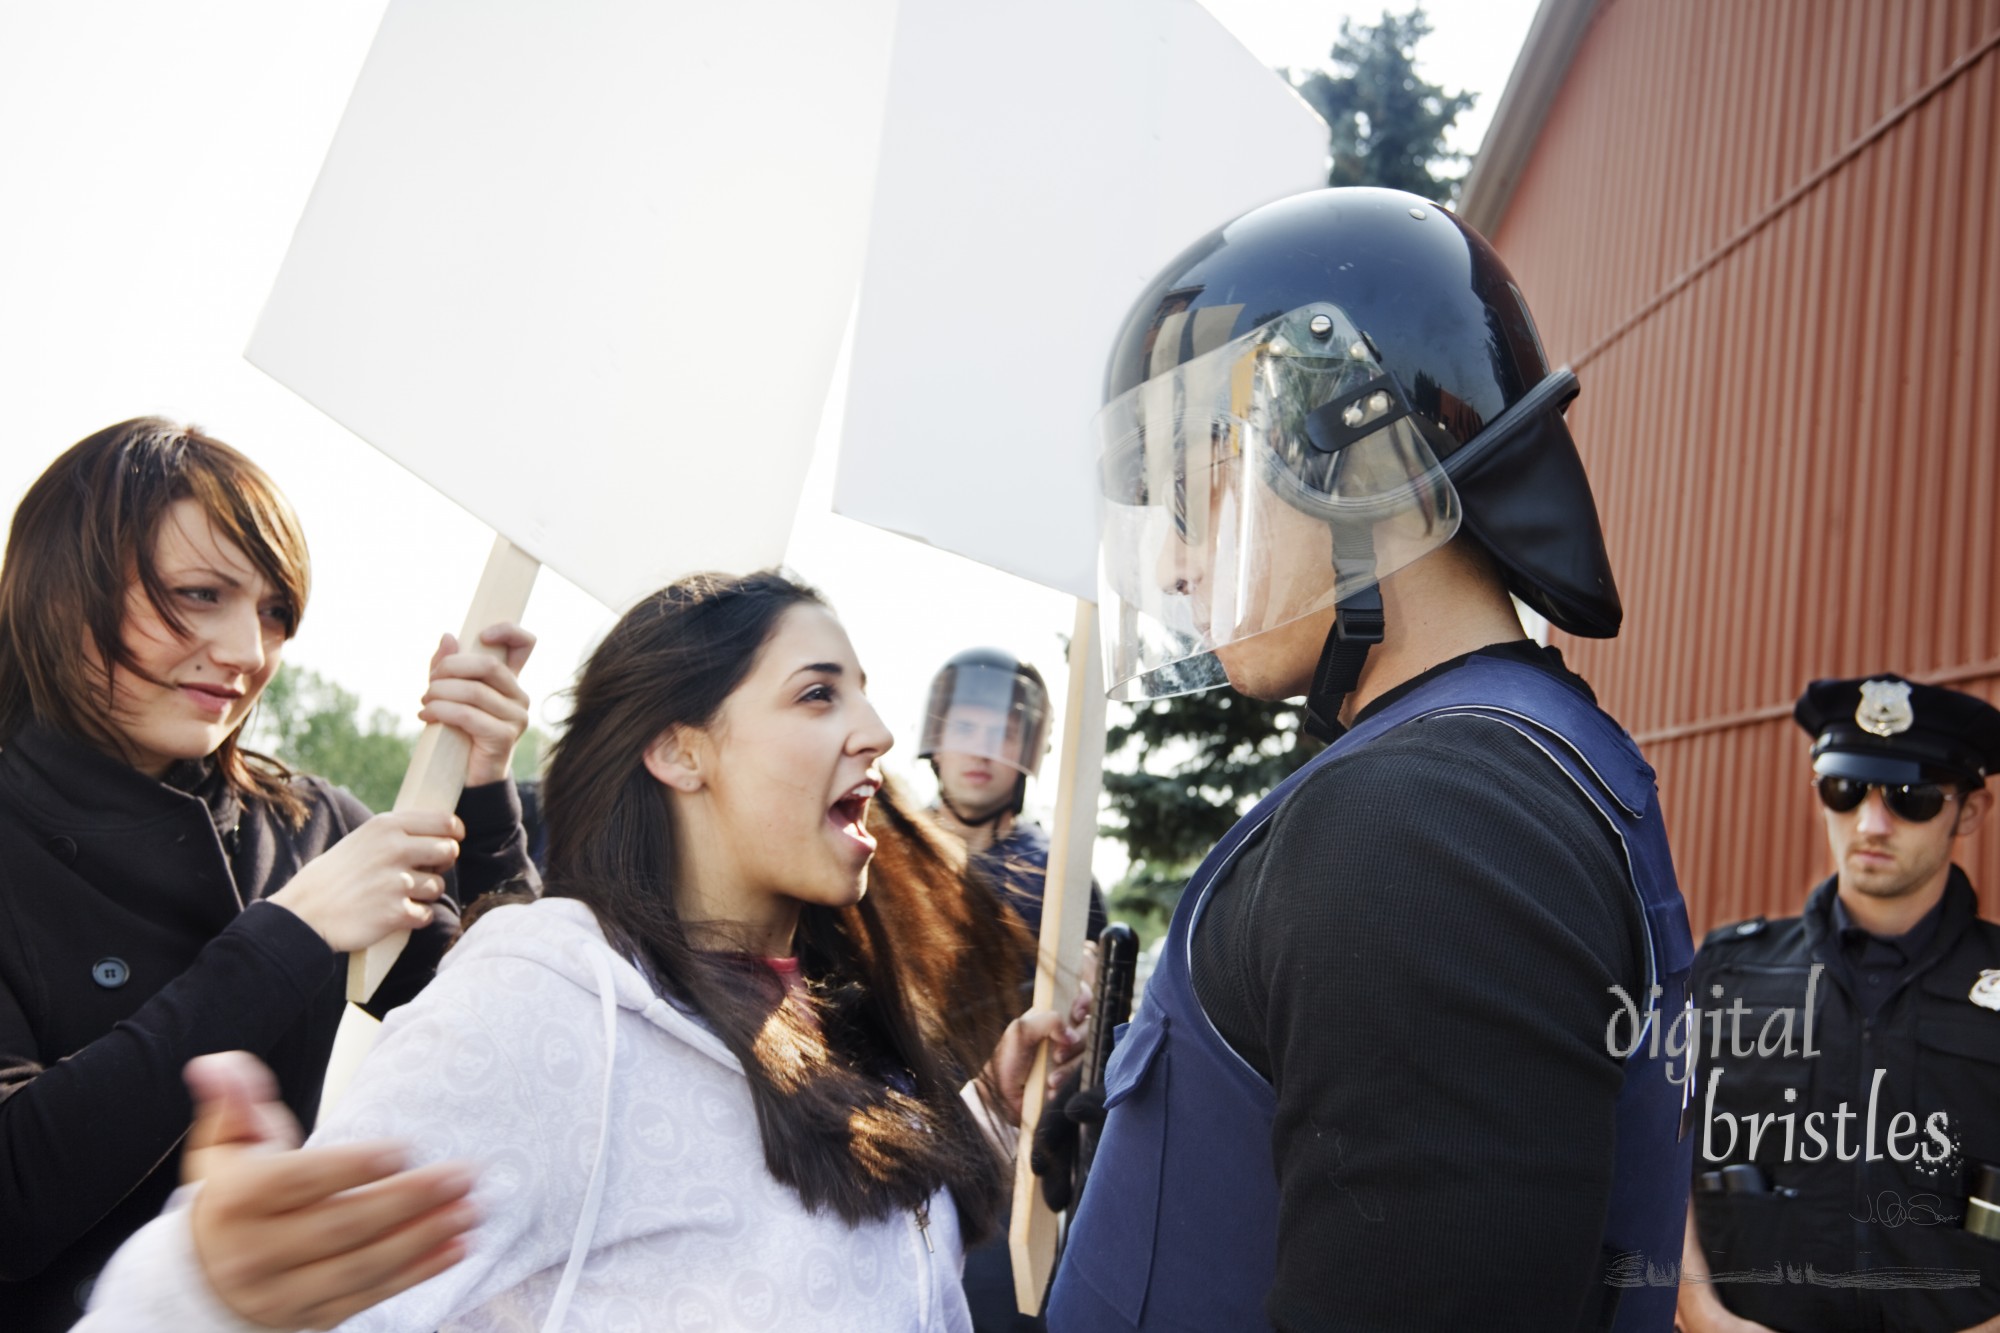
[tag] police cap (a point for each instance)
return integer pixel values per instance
(1883, 728)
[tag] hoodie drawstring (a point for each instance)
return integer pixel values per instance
(593, 1196)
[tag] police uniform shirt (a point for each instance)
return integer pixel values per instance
(1877, 964)
(1798, 1238)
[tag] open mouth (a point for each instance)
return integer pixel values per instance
(849, 814)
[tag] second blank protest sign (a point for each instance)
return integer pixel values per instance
(1040, 162)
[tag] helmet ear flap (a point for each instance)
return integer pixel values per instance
(1526, 500)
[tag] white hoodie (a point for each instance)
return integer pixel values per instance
(502, 1061)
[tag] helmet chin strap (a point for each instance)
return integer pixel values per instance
(1357, 627)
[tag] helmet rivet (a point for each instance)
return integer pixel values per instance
(1321, 326)
(1418, 214)
(1352, 416)
(1378, 402)
(1359, 351)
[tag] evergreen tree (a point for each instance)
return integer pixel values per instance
(1386, 125)
(1190, 765)
(1198, 762)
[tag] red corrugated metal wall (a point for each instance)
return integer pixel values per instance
(1767, 235)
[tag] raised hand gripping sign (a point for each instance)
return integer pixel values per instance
(436, 774)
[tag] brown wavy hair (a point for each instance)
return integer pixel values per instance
(858, 1101)
(85, 531)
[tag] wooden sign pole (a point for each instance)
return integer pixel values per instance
(435, 778)
(437, 766)
(1065, 916)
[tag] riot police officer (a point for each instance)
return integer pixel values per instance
(985, 731)
(1848, 1170)
(1369, 1086)
(986, 728)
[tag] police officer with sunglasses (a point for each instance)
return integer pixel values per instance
(1847, 1173)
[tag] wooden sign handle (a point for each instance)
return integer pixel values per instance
(437, 766)
(1031, 1235)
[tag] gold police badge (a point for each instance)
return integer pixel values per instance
(1986, 990)
(1885, 707)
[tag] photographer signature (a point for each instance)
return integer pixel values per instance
(1922, 1210)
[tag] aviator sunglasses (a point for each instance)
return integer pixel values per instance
(1918, 802)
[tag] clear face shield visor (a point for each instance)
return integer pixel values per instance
(989, 712)
(1252, 486)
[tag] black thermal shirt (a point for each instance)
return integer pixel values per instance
(1417, 951)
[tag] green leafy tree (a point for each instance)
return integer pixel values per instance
(315, 726)
(1180, 771)
(1386, 125)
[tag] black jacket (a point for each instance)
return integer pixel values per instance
(132, 939)
(1939, 1053)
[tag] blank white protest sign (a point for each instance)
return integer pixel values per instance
(585, 267)
(1041, 161)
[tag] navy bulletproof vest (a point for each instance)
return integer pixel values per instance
(1178, 1226)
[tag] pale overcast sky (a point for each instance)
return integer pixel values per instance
(156, 158)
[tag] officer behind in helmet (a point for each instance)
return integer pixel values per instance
(1369, 1086)
(1904, 986)
(985, 730)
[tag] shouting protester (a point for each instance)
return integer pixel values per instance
(717, 1077)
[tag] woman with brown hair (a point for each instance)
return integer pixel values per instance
(164, 891)
(717, 1077)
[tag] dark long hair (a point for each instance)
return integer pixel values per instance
(858, 1105)
(84, 532)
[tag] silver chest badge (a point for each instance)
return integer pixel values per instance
(1885, 709)
(1986, 990)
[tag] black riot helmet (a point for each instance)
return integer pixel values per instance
(1363, 358)
(989, 703)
